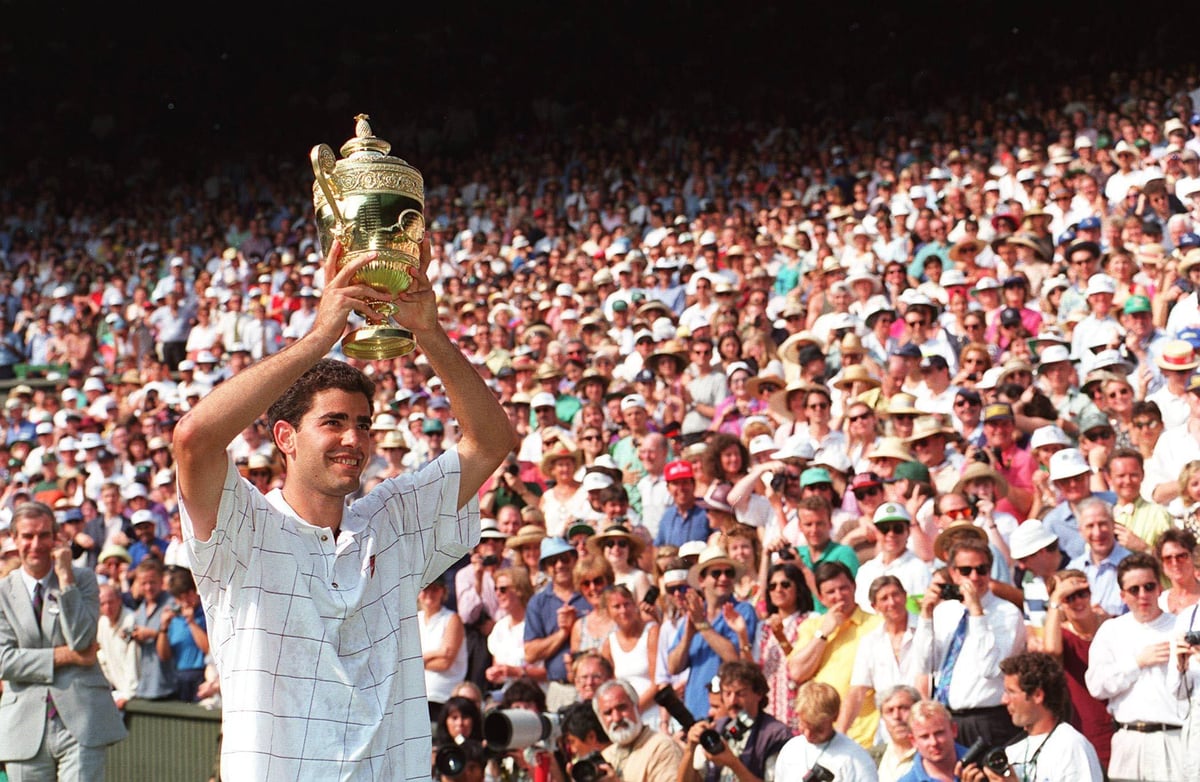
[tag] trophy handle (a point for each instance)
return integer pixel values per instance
(323, 162)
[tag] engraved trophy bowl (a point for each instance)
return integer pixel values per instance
(371, 202)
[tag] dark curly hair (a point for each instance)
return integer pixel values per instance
(710, 460)
(1038, 670)
(325, 374)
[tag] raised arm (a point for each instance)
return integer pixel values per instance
(202, 435)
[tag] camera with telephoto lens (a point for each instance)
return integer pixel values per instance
(452, 760)
(818, 773)
(982, 755)
(950, 592)
(709, 739)
(506, 729)
(588, 768)
(1192, 638)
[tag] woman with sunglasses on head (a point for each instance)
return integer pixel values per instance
(632, 648)
(592, 576)
(1176, 551)
(788, 604)
(1070, 625)
(506, 642)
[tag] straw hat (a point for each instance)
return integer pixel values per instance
(928, 426)
(779, 401)
(901, 404)
(856, 373)
(530, 533)
(596, 542)
(1177, 355)
(560, 452)
(712, 556)
(955, 532)
(962, 244)
(976, 470)
(851, 345)
(672, 349)
(890, 448)
(754, 384)
(790, 349)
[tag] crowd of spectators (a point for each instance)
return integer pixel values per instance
(870, 444)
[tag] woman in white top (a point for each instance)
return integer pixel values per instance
(506, 642)
(567, 501)
(442, 646)
(632, 647)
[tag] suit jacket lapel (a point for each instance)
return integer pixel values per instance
(18, 597)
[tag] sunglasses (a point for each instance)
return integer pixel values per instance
(856, 418)
(892, 528)
(1120, 392)
(617, 543)
(1083, 593)
(959, 513)
(1098, 434)
(722, 573)
(782, 585)
(588, 437)
(917, 323)
(1182, 556)
(818, 406)
(591, 582)
(864, 493)
(561, 559)
(967, 570)
(503, 590)
(1137, 589)
(678, 589)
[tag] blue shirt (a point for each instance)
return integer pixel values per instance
(541, 620)
(1062, 522)
(918, 774)
(184, 651)
(703, 661)
(138, 550)
(1102, 578)
(676, 529)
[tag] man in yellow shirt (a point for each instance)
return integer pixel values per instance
(826, 645)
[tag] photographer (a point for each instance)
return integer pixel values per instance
(962, 643)
(934, 735)
(751, 737)
(583, 739)
(820, 753)
(463, 762)
(1035, 692)
(1002, 454)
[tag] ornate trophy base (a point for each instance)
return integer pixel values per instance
(378, 342)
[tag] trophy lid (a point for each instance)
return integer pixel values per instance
(365, 167)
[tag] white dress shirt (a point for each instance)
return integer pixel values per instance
(977, 682)
(1134, 694)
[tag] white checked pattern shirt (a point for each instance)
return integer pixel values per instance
(317, 641)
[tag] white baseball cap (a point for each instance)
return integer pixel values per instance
(1068, 463)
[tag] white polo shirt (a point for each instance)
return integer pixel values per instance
(316, 640)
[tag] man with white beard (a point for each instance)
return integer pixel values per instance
(637, 752)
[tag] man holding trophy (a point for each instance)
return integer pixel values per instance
(312, 603)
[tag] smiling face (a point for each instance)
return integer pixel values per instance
(35, 540)
(327, 452)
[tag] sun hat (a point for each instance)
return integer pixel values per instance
(1068, 463)
(711, 556)
(1029, 538)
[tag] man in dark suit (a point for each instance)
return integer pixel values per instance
(56, 714)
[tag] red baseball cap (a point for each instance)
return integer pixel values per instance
(678, 471)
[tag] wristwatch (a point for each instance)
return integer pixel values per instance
(820, 636)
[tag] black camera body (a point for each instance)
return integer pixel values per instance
(1192, 638)
(710, 740)
(739, 726)
(588, 768)
(950, 592)
(818, 773)
(491, 560)
(982, 755)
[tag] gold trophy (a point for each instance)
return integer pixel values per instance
(371, 202)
